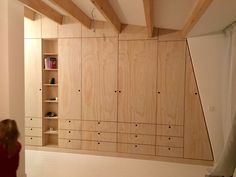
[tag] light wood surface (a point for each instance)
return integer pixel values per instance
(69, 134)
(33, 78)
(137, 81)
(32, 29)
(29, 13)
(196, 14)
(99, 29)
(70, 28)
(71, 8)
(108, 12)
(137, 128)
(99, 126)
(133, 32)
(33, 122)
(99, 79)
(99, 136)
(69, 124)
(70, 78)
(169, 151)
(136, 149)
(169, 35)
(171, 79)
(170, 130)
(44, 9)
(69, 144)
(148, 10)
(49, 28)
(33, 131)
(196, 139)
(136, 139)
(170, 141)
(33, 141)
(99, 146)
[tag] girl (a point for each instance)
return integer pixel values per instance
(9, 148)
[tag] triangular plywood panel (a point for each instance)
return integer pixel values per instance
(196, 139)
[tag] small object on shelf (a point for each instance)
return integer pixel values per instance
(51, 114)
(50, 62)
(53, 99)
(52, 81)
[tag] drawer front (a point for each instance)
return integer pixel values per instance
(33, 122)
(70, 134)
(33, 131)
(70, 144)
(99, 136)
(169, 141)
(148, 129)
(33, 141)
(136, 149)
(136, 138)
(99, 146)
(170, 130)
(99, 126)
(169, 151)
(69, 124)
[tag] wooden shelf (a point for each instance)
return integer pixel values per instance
(51, 132)
(51, 101)
(51, 85)
(51, 118)
(50, 69)
(50, 54)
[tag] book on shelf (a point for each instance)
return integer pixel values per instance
(50, 62)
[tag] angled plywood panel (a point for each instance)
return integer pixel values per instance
(196, 140)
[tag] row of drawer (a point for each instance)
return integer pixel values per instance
(137, 128)
(114, 147)
(112, 137)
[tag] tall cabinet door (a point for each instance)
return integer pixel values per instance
(137, 81)
(171, 79)
(69, 81)
(33, 78)
(99, 79)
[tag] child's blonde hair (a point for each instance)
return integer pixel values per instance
(9, 134)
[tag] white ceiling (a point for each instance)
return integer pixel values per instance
(169, 14)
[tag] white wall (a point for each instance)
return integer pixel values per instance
(12, 67)
(208, 54)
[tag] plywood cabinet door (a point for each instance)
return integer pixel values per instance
(99, 79)
(171, 79)
(137, 81)
(69, 78)
(196, 140)
(33, 78)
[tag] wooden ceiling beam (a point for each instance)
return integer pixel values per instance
(70, 7)
(148, 10)
(28, 13)
(108, 12)
(198, 11)
(44, 9)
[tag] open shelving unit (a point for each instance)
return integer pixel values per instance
(50, 92)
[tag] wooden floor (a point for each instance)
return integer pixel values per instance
(57, 164)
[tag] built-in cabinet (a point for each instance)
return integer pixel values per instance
(126, 96)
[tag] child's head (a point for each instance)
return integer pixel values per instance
(8, 132)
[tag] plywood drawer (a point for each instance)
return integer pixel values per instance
(169, 151)
(70, 134)
(33, 141)
(170, 130)
(70, 144)
(136, 149)
(99, 146)
(33, 122)
(99, 136)
(170, 141)
(33, 131)
(136, 138)
(99, 126)
(148, 129)
(69, 124)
